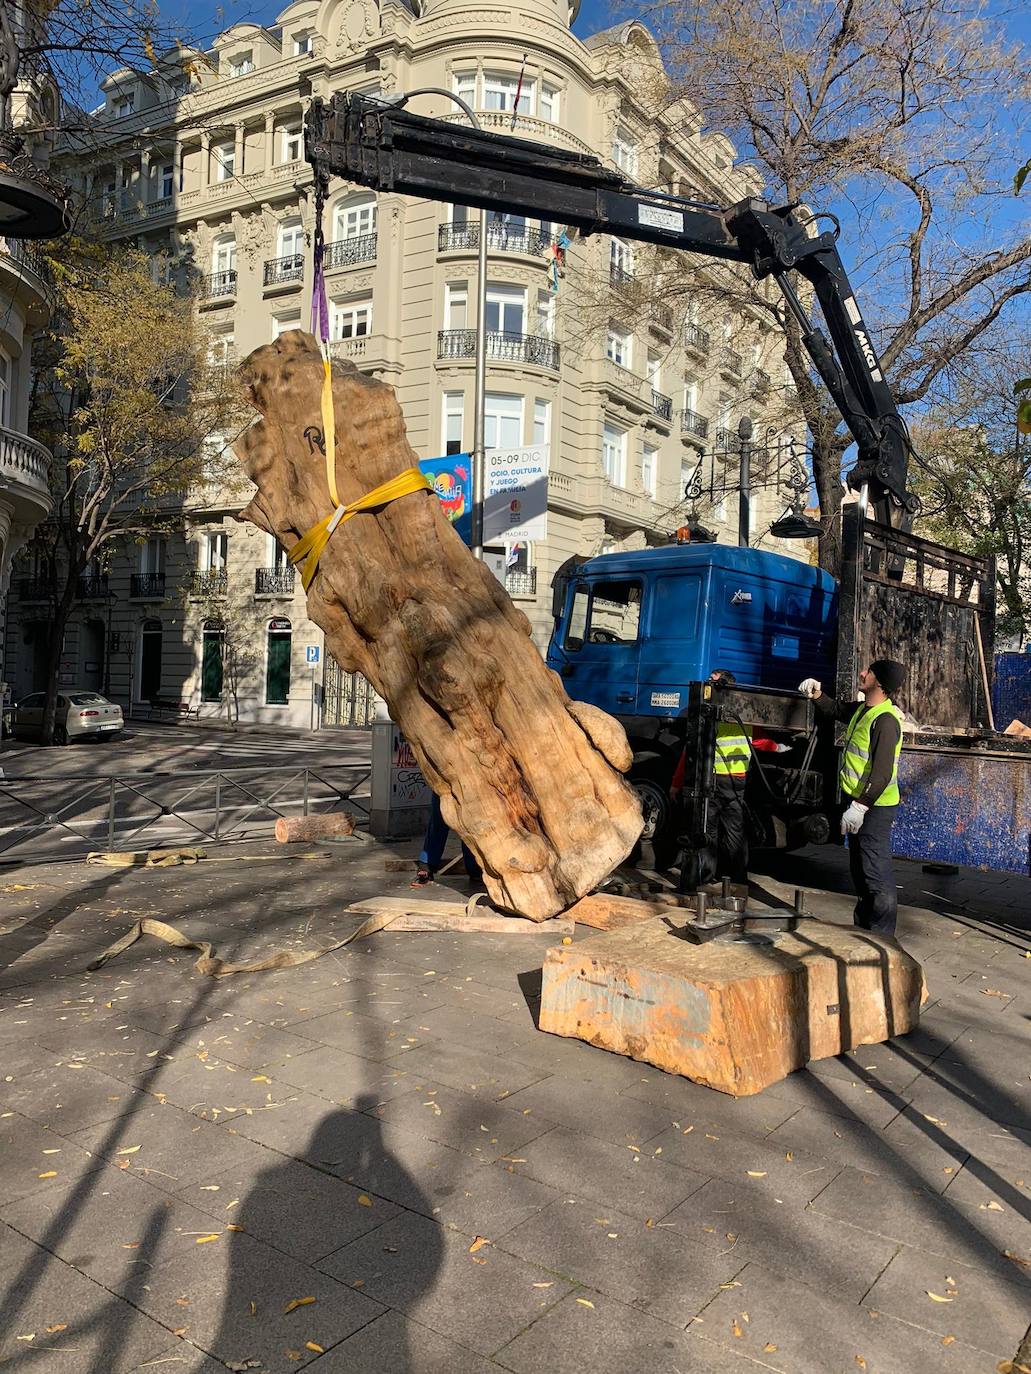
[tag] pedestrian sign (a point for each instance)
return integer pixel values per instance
(311, 654)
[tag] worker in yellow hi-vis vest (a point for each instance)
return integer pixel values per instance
(869, 780)
(726, 834)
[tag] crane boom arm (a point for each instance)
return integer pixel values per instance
(386, 147)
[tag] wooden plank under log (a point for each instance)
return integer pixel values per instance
(735, 1015)
(528, 778)
(425, 913)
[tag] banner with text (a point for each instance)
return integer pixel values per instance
(515, 504)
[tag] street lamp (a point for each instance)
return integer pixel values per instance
(399, 99)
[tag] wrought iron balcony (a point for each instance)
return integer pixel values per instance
(662, 318)
(694, 424)
(502, 346)
(273, 581)
(662, 405)
(348, 252)
(619, 276)
(217, 284)
(147, 586)
(277, 270)
(502, 238)
(93, 588)
(726, 440)
(27, 254)
(733, 363)
(696, 338)
(521, 583)
(761, 382)
(210, 582)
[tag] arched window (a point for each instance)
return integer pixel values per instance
(212, 660)
(223, 254)
(277, 668)
(355, 217)
(291, 240)
(150, 660)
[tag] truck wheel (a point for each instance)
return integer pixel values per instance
(657, 843)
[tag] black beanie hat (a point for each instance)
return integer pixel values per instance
(890, 674)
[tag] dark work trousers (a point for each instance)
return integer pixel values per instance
(437, 832)
(869, 857)
(725, 833)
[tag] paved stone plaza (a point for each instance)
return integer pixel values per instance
(376, 1162)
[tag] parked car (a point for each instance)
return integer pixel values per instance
(80, 715)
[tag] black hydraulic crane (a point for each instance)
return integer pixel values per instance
(370, 142)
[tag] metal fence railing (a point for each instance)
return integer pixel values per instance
(110, 812)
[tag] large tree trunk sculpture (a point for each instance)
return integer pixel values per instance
(527, 777)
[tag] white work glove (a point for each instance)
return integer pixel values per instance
(810, 687)
(782, 748)
(853, 818)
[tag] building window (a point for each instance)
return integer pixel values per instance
(291, 241)
(546, 314)
(150, 660)
(167, 181)
(215, 550)
(456, 305)
(241, 63)
(465, 87)
(690, 394)
(152, 556)
(613, 454)
(302, 43)
(275, 556)
(221, 350)
(290, 319)
(649, 468)
(213, 641)
(619, 346)
(541, 422)
(503, 420)
(500, 91)
(350, 320)
(5, 388)
(506, 309)
(225, 161)
(621, 259)
(354, 219)
(654, 370)
(124, 105)
(223, 254)
(624, 151)
(454, 421)
(277, 668)
(291, 143)
(548, 108)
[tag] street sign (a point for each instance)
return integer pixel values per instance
(311, 654)
(515, 506)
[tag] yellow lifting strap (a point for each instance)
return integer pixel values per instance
(310, 546)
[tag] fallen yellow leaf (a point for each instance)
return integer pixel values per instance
(203, 1240)
(50, 1173)
(584, 1302)
(293, 1305)
(364, 1200)
(30, 1337)
(260, 1078)
(129, 1150)
(947, 1340)
(769, 1348)
(478, 1244)
(57, 1326)
(992, 1206)
(860, 1361)
(936, 1297)
(53, 1152)
(756, 1173)
(790, 1159)
(232, 1226)
(310, 1345)
(544, 1285)
(737, 1329)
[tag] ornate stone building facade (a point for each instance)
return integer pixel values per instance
(202, 161)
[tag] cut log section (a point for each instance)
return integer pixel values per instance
(735, 1015)
(528, 778)
(290, 828)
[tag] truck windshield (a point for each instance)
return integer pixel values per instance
(605, 613)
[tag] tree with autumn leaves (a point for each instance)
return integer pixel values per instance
(129, 405)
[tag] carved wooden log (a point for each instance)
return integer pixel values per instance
(527, 777)
(290, 828)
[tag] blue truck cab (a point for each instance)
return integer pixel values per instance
(636, 628)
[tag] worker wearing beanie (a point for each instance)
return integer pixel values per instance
(869, 783)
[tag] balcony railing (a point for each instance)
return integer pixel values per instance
(290, 268)
(210, 582)
(662, 405)
(23, 460)
(217, 284)
(273, 581)
(147, 586)
(733, 363)
(502, 346)
(27, 255)
(761, 382)
(93, 588)
(693, 423)
(521, 583)
(696, 338)
(619, 276)
(348, 252)
(662, 318)
(726, 440)
(502, 238)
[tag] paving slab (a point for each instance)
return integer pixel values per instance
(977, 1307)
(366, 1036)
(639, 1183)
(244, 1041)
(32, 1156)
(981, 1137)
(477, 1071)
(217, 1090)
(479, 1299)
(652, 1268)
(797, 1175)
(620, 1120)
(462, 1120)
(346, 1079)
(396, 1344)
(692, 1104)
(855, 1101)
(180, 1358)
(67, 1096)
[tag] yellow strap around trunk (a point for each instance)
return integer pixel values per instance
(311, 545)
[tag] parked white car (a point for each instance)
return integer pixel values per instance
(80, 715)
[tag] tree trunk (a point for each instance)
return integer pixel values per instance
(55, 647)
(827, 477)
(527, 777)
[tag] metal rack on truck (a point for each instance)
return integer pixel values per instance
(968, 794)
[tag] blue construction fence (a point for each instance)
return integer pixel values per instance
(1011, 691)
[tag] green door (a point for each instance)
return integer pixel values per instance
(211, 664)
(277, 674)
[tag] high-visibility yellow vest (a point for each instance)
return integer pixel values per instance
(733, 751)
(855, 755)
